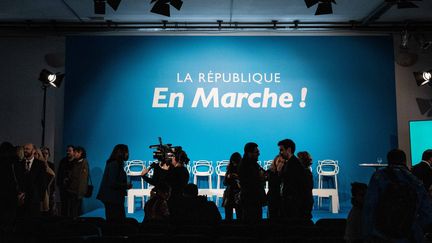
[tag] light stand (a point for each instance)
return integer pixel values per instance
(48, 79)
(44, 87)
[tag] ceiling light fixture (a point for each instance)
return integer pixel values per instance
(423, 42)
(100, 5)
(162, 7)
(402, 4)
(424, 106)
(324, 6)
(404, 39)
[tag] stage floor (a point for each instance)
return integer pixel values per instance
(323, 212)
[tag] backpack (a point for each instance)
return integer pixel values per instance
(396, 209)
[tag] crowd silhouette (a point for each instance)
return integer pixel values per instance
(396, 206)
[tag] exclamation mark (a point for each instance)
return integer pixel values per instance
(303, 97)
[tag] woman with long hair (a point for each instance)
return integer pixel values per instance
(114, 185)
(274, 187)
(48, 206)
(231, 197)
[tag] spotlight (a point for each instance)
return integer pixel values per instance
(426, 45)
(99, 6)
(310, 3)
(404, 39)
(423, 78)
(162, 6)
(424, 106)
(324, 6)
(401, 4)
(48, 78)
(176, 4)
(423, 43)
(114, 4)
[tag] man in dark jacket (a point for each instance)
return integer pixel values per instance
(388, 215)
(63, 180)
(294, 187)
(31, 177)
(252, 194)
(423, 170)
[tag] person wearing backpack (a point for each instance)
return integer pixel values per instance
(397, 207)
(423, 170)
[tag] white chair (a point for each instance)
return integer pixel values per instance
(329, 168)
(260, 163)
(266, 166)
(133, 168)
(203, 168)
(188, 167)
(150, 173)
(221, 169)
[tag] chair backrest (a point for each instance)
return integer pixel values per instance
(149, 162)
(221, 167)
(328, 167)
(134, 167)
(202, 167)
(267, 164)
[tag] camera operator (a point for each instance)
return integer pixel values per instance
(172, 172)
(160, 172)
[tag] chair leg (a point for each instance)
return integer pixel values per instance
(336, 186)
(319, 187)
(210, 182)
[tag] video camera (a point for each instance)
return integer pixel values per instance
(164, 152)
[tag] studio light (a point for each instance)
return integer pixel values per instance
(423, 43)
(310, 3)
(424, 106)
(162, 7)
(114, 4)
(324, 6)
(423, 78)
(402, 4)
(176, 4)
(404, 39)
(99, 6)
(50, 79)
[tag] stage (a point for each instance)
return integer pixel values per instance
(317, 214)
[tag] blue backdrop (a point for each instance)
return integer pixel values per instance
(349, 113)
